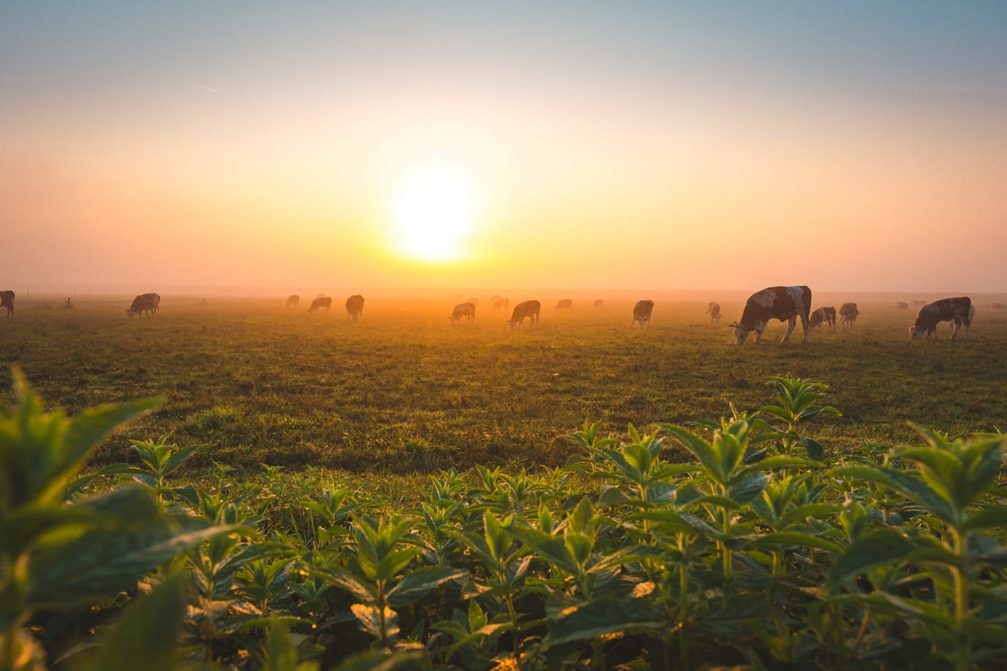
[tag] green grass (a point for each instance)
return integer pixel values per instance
(403, 391)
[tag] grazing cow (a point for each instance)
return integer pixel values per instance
(462, 311)
(713, 309)
(849, 312)
(783, 303)
(564, 304)
(641, 313)
(7, 301)
(998, 306)
(144, 305)
(354, 306)
(320, 303)
(500, 303)
(599, 303)
(902, 305)
(958, 310)
(529, 309)
(293, 301)
(826, 315)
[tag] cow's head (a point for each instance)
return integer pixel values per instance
(915, 332)
(740, 332)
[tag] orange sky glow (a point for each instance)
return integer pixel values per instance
(598, 147)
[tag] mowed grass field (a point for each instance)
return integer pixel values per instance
(403, 391)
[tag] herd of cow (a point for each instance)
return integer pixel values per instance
(781, 303)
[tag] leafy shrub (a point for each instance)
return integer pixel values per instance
(758, 551)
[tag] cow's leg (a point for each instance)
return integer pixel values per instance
(759, 330)
(791, 323)
(954, 329)
(804, 325)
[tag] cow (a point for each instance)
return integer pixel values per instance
(641, 313)
(998, 306)
(564, 304)
(320, 303)
(902, 305)
(7, 301)
(849, 312)
(293, 300)
(957, 323)
(823, 315)
(500, 303)
(354, 307)
(713, 309)
(599, 303)
(525, 309)
(144, 305)
(462, 311)
(782, 303)
(958, 310)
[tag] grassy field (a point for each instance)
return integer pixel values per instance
(403, 391)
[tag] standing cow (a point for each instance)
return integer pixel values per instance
(599, 303)
(320, 303)
(144, 305)
(824, 315)
(902, 305)
(565, 304)
(641, 313)
(958, 310)
(462, 311)
(354, 307)
(7, 301)
(713, 309)
(523, 310)
(848, 312)
(782, 303)
(293, 301)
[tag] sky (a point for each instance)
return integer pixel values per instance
(856, 145)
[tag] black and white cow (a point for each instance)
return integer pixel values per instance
(713, 309)
(783, 303)
(849, 312)
(525, 310)
(641, 313)
(958, 310)
(824, 315)
(7, 301)
(466, 311)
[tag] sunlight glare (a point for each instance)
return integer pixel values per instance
(434, 210)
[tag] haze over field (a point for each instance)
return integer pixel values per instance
(717, 145)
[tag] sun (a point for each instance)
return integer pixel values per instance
(434, 211)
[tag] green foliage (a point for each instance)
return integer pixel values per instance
(721, 546)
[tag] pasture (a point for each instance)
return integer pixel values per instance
(403, 391)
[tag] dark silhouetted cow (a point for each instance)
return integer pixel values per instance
(320, 303)
(998, 306)
(144, 305)
(957, 310)
(523, 310)
(823, 315)
(354, 306)
(848, 312)
(293, 300)
(713, 309)
(641, 313)
(902, 305)
(564, 304)
(599, 303)
(462, 311)
(782, 303)
(7, 301)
